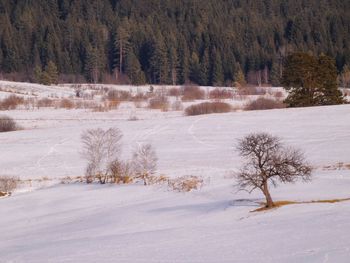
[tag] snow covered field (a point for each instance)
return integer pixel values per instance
(133, 223)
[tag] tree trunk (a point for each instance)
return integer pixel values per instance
(269, 202)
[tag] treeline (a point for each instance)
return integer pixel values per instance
(168, 41)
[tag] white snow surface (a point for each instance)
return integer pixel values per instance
(134, 223)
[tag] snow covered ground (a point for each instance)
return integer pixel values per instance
(133, 223)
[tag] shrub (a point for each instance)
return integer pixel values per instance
(191, 93)
(220, 94)
(177, 106)
(278, 95)
(44, 102)
(7, 124)
(8, 184)
(66, 104)
(159, 102)
(121, 172)
(185, 183)
(264, 104)
(175, 92)
(119, 95)
(101, 148)
(250, 90)
(207, 108)
(11, 102)
(144, 162)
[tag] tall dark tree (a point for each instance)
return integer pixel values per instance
(312, 80)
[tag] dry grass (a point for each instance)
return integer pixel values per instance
(337, 166)
(44, 102)
(185, 183)
(278, 204)
(208, 108)
(264, 104)
(174, 92)
(8, 184)
(219, 94)
(191, 93)
(7, 124)
(66, 104)
(251, 90)
(159, 102)
(11, 102)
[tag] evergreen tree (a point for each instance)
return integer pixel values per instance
(217, 75)
(93, 64)
(133, 69)
(311, 80)
(275, 75)
(239, 77)
(52, 72)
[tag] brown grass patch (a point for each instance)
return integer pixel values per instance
(191, 93)
(219, 94)
(208, 108)
(278, 204)
(186, 183)
(159, 103)
(264, 104)
(11, 102)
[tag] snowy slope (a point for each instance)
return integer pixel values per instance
(92, 223)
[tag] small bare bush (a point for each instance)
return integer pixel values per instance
(159, 102)
(66, 104)
(174, 92)
(186, 183)
(191, 93)
(177, 106)
(251, 90)
(7, 124)
(144, 162)
(8, 184)
(119, 95)
(278, 95)
(101, 148)
(11, 102)
(264, 104)
(219, 94)
(121, 172)
(44, 102)
(208, 108)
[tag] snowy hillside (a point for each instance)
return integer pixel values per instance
(53, 222)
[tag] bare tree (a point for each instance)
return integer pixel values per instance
(101, 148)
(145, 162)
(268, 161)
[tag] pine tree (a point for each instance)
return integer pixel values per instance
(311, 80)
(133, 69)
(93, 64)
(122, 43)
(204, 69)
(52, 72)
(159, 60)
(194, 68)
(275, 75)
(217, 75)
(239, 77)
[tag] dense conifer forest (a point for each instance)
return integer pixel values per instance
(207, 42)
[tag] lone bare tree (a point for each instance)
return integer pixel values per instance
(268, 161)
(101, 148)
(145, 162)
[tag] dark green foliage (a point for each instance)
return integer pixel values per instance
(312, 80)
(173, 41)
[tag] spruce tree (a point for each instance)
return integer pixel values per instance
(312, 81)
(133, 69)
